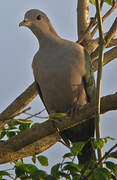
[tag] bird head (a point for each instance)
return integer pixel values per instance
(37, 22)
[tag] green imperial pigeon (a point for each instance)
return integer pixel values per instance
(63, 76)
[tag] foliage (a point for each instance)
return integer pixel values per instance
(67, 169)
(109, 2)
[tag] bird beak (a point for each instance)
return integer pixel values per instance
(25, 22)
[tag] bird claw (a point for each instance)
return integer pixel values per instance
(74, 109)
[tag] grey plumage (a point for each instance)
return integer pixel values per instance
(63, 75)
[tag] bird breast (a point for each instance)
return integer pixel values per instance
(60, 80)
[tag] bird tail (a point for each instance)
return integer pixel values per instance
(87, 154)
(83, 132)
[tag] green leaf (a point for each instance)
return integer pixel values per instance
(111, 138)
(107, 1)
(29, 168)
(77, 148)
(24, 121)
(23, 127)
(76, 176)
(101, 174)
(110, 2)
(34, 159)
(55, 170)
(4, 173)
(43, 160)
(112, 166)
(21, 169)
(49, 177)
(18, 162)
(35, 124)
(65, 175)
(2, 134)
(98, 144)
(113, 154)
(11, 133)
(72, 167)
(57, 115)
(38, 175)
(92, 2)
(67, 155)
(13, 123)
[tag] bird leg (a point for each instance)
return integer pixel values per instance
(76, 105)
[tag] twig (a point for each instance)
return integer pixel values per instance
(34, 115)
(18, 104)
(19, 113)
(99, 75)
(100, 161)
(111, 33)
(105, 16)
(108, 57)
(108, 37)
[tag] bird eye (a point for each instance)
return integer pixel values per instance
(39, 17)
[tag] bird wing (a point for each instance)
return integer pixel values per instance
(40, 93)
(88, 79)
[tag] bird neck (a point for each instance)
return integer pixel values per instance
(45, 35)
(47, 38)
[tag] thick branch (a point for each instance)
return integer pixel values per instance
(30, 150)
(83, 18)
(11, 147)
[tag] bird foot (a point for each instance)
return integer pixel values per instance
(74, 109)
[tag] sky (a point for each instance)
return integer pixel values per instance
(18, 46)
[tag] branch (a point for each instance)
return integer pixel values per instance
(12, 148)
(99, 74)
(18, 104)
(108, 37)
(108, 57)
(93, 44)
(113, 42)
(100, 161)
(29, 150)
(105, 17)
(83, 18)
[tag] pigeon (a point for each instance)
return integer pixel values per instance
(63, 77)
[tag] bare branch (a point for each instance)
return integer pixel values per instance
(108, 37)
(110, 34)
(99, 74)
(108, 57)
(104, 17)
(20, 102)
(30, 150)
(83, 18)
(113, 42)
(12, 148)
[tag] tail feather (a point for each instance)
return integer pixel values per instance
(87, 154)
(82, 132)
